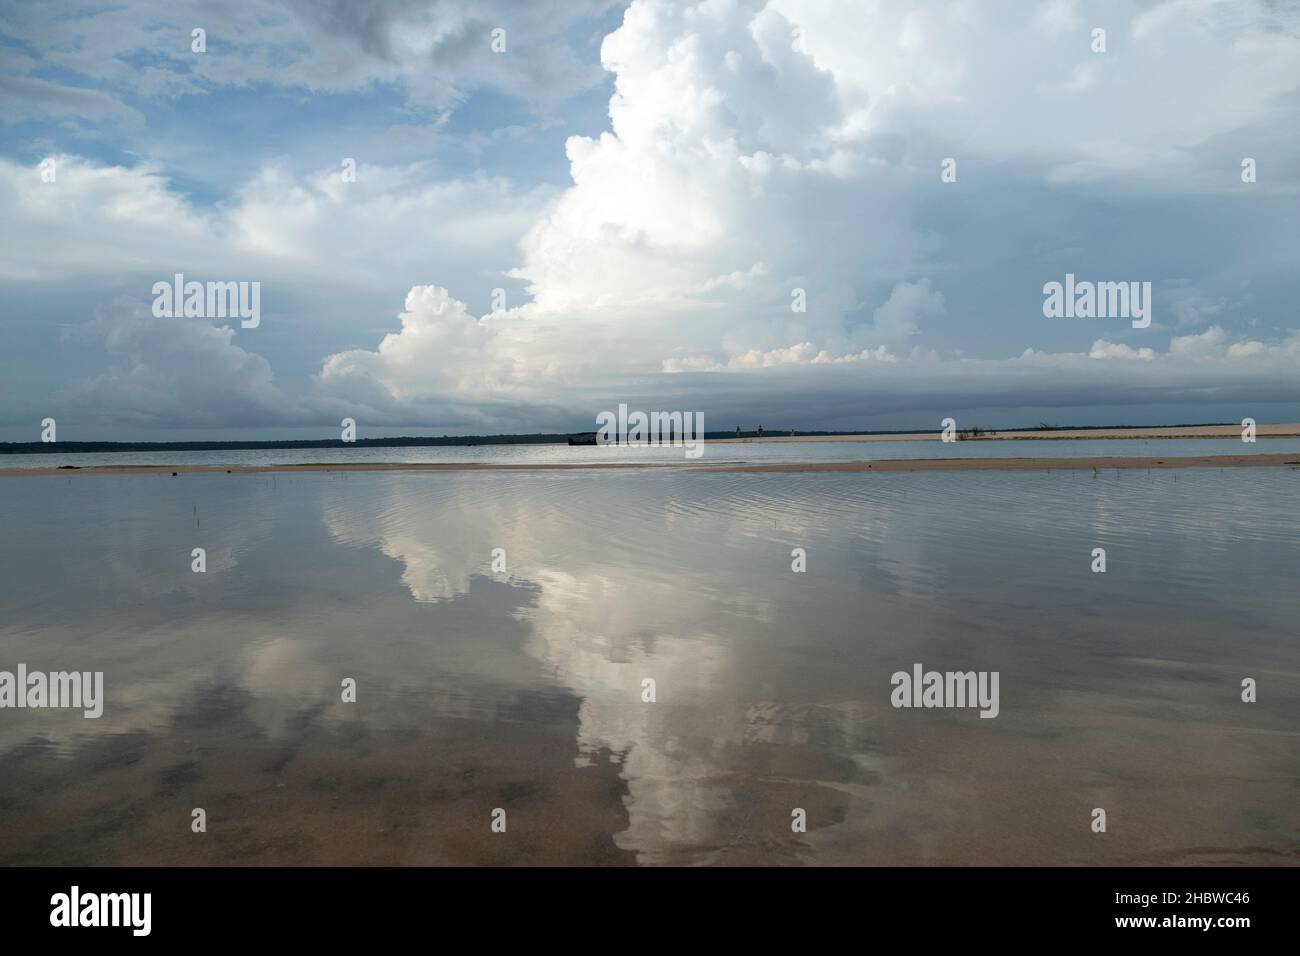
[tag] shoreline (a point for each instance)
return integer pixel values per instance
(1100, 434)
(884, 465)
(1120, 432)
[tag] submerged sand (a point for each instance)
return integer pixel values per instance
(523, 691)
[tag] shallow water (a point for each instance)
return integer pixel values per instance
(523, 690)
(711, 453)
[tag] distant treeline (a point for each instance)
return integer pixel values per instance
(67, 447)
(73, 447)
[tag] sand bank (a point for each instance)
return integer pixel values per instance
(1020, 464)
(1180, 431)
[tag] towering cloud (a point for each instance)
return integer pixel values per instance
(798, 208)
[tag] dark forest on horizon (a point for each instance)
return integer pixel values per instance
(547, 438)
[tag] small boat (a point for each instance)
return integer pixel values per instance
(583, 438)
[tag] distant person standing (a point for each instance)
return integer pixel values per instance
(737, 431)
(760, 431)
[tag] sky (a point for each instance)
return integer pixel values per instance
(811, 214)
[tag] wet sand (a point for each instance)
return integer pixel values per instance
(319, 796)
(890, 465)
(1020, 464)
(1173, 431)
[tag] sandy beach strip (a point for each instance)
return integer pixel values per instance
(1177, 431)
(886, 465)
(1020, 464)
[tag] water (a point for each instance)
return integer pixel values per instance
(714, 452)
(523, 690)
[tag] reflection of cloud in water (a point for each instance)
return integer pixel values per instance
(586, 628)
(441, 538)
(613, 608)
(280, 674)
(148, 540)
(772, 687)
(424, 565)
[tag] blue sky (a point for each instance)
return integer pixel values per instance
(647, 185)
